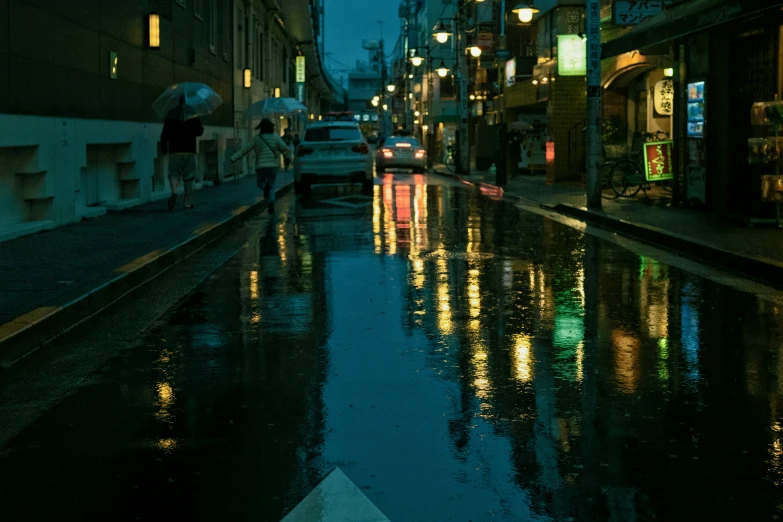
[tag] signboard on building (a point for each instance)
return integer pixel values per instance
(511, 72)
(658, 164)
(485, 42)
(572, 55)
(301, 76)
(634, 12)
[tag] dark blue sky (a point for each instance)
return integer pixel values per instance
(348, 22)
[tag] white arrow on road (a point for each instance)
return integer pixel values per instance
(336, 499)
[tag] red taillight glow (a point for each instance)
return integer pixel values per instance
(361, 148)
(303, 151)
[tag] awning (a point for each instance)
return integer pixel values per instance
(688, 18)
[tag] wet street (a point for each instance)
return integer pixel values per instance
(458, 358)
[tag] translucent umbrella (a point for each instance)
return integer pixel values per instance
(271, 106)
(199, 100)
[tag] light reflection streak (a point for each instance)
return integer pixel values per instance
(254, 285)
(523, 365)
(626, 359)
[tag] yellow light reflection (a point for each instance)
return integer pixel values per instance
(523, 366)
(626, 359)
(580, 357)
(283, 247)
(444, 309)
(165, 401)
(480, 382)
(254, 284)
(167, 444)
(474, 293)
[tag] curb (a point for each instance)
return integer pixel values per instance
(25, 334)
(751, 267)
(754, 268)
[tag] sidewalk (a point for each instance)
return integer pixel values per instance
(51, 280)
(755, 252)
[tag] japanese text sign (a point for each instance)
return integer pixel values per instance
(658, 161)
(633, 12)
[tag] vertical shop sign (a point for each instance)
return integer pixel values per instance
(658, 164)
(301, 73)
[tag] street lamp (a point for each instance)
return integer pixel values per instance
(391, 87)
(417, 60)
(525, 11)
(475, 51)
(442, 69)
(385, 107)
(442, 33)
(375, 102)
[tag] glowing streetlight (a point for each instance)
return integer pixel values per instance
(391, 87)
(385, 107)
(475, 52)
(442, 70)
(417, 60)
(525, 11)
(375, 102)
(442, 33)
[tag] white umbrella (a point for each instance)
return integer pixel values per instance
(272, 106)
(199, 100)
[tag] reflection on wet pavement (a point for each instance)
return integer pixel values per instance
(457, 358)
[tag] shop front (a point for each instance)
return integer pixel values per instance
(724, 61)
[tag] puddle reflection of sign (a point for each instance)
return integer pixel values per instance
(658, 161)
(633, 12)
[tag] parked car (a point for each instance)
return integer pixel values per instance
(401, 152)
(333, 151)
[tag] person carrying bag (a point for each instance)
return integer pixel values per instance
(267, 145)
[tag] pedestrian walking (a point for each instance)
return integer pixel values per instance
(178, 140)
(267, 145)
(288, 140)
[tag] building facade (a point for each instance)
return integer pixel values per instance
(78, 135)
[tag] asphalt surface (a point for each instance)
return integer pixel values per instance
(458, 358)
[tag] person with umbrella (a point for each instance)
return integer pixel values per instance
(267, 145)
(178, 140)
(288, 139)
(182, 104)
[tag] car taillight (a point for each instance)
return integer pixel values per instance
(361, 148)
(304, 151)
(387, 153)
(420, 153)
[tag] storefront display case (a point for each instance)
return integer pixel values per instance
(764, 152)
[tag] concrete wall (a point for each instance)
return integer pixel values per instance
(47, 164)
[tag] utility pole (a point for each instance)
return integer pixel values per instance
(461, 161)
(593, 20)
(501, 55)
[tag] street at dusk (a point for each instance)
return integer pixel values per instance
(391, 260)
(456, 357)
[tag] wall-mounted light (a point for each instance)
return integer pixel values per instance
(668, 72)
(312, 116)
(535, 82)
(525, 11)
(416, 113)
(113, 65)
(375, 102)
(248, 78)
(320, 117)
(475, 51)
(442, 70)
(417, 60)
(425, 127)
(410, 95)
(385, 107)
(410, 76)
(277, 92)
(391, 87)
(154, 31)
(544, 80)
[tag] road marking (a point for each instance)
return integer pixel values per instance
(336, 499)
(365, 201)
(143, 260)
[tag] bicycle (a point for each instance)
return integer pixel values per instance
(626, 175)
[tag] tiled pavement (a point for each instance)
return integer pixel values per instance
(52, 268)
